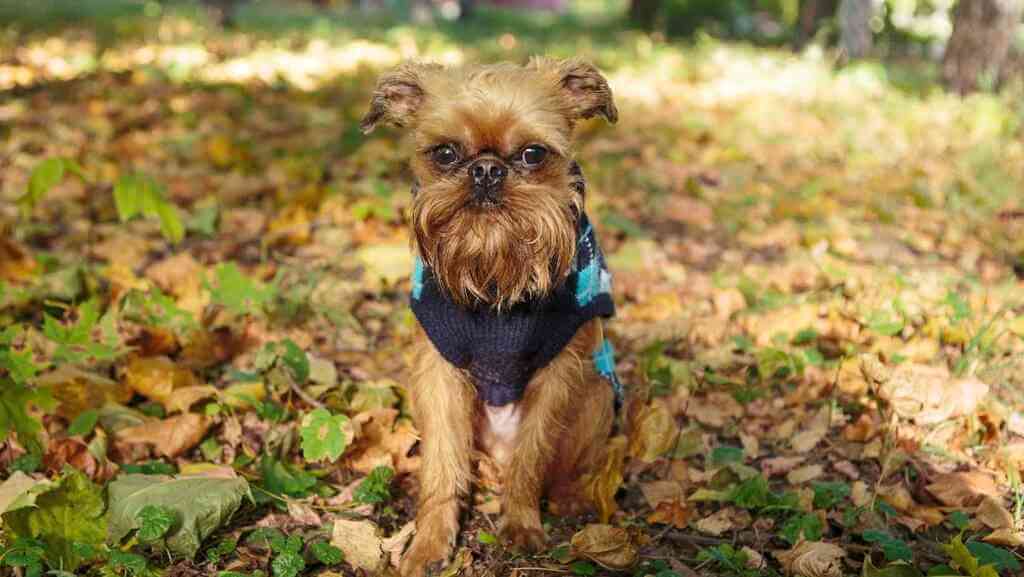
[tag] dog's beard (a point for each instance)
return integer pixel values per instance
(496, 255)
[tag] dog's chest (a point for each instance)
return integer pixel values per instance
(500, 425)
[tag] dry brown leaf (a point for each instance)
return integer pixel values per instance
(303, 514)
(16, 262)
(805, 474)
(963, 489)
(361, 543)
(170, 437)
(898, 496)
(610, 547)
(601, 485)
(395, 544)
(924, 394)
(993, 514)
(654, 433)
(1007, 537)
(814, 432)
(657, 492)
(717, 523)
(716, 409)
(813, 559)
(676, 513)
(181, 399)
(779, 465)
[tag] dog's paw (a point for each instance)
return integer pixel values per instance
(427, 555)
(527, 539)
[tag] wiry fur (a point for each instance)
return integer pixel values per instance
(496, 256)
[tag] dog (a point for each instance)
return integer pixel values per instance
(509, 289)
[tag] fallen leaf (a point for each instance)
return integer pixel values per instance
(608, 546)
(805, 474)
(962, 489)
(814, 432)
(654, 433)
(717, 523)
(676, 513)
(361, 543)
(210, 503)
(157, 378)
(303, 514)
(171, 437)
(924, 394)
(20, 491)
(181, 399)
(601, 485)
(993, 514)
(715, 409)
(388, 262)
(657, 492)
(395, 544)
(77, 391)
(813, 559)
(779, 465)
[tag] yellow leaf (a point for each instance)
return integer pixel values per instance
(654, 433)
(601, 485)
(77, 391)
(244, 395)
(157, 377)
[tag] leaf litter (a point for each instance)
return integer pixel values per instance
(825, 358)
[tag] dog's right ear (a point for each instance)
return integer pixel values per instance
(398, 96)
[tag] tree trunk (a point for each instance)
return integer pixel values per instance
(644, 13)
(812, 14)
(982, 33)
(855, 28)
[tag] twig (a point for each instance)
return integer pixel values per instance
(304, 395)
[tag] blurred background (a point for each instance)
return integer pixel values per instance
(194, 232)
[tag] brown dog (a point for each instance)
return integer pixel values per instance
(509, 290)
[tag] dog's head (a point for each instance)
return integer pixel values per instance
(495, 212)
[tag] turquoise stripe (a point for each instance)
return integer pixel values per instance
(417, 278)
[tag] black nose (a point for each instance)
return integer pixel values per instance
(488, 174)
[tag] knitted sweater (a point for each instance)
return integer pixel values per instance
(502, 350)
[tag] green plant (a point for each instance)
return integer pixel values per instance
(376, 487)
(728, 559)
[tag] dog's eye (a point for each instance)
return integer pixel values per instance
(534, 155)
(445, 155)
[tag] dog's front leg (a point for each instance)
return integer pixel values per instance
(545, 412)
(443, 403)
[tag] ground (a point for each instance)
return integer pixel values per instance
(205, 272)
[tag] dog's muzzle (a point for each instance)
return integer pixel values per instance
(488, 176)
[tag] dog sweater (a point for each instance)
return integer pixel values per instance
(502, 350)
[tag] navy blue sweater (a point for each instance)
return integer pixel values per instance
(502, 350)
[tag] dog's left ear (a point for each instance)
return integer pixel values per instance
(398, 96)
(585, 89)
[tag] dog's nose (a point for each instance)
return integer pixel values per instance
(488, 175)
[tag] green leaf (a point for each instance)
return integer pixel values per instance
(585, 568)
(721, 456)
(287, 565)
(296, 360)
(170, 222)
(326, 553)
(959, 520)
(284, 479)
(325, 436)
(211, 502)
(224, 548)
(70, 512)
(961, 309)
(806, 526)
(486, 538)
(893, 548)
(750, 494)
(376, 487)
(84, 423)
(154, 522)
(829, 494)
(134, 564)
(266, 538)
(129, 191)
(15, 402)
(987, 554)
(44, 177)
(239, 293)
(885, 324)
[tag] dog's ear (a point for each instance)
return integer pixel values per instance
(398, 96)
(586, 91)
